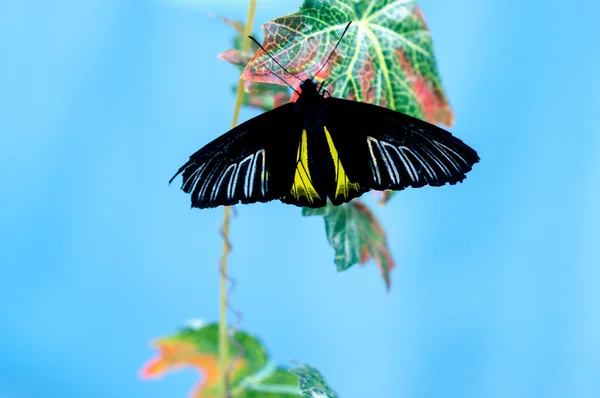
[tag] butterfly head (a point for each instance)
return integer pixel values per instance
(308, 85)
(310, 88)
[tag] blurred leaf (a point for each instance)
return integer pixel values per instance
(252, 375)
(258, 95)
(312, 384)
(266, 96)
(277, 383)
(356, 236)
(238, 26)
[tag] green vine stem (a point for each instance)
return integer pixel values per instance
(223, 328)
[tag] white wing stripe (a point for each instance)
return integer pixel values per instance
(194, 177)
(247, 177)
(263, 174)
(252, 174)
(386, 160)
(410, 164)
(216, 188)
(434, 159)
(374, 165)
(237, 174)
(405, 161)
(437, 161)
(457, 155)
(424, 164)
(392, 170)
(446, 155)
(206, 183)
(232, 181)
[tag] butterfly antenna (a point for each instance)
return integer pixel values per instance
(321, 85)
(283, 80)
(334, 48)
(274, 60)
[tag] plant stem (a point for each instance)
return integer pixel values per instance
(223, 329)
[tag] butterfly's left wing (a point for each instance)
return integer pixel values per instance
(253, 162)
(383, 149)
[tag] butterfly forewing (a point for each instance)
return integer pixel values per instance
(254, 162)
(383, 149)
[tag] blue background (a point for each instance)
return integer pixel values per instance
(495, 293)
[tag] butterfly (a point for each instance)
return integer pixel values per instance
(321, 147)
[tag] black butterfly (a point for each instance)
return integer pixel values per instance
(322, 147)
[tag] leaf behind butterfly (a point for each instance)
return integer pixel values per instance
(356, 236)
(385, 58)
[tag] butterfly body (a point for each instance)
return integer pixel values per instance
(320, 148)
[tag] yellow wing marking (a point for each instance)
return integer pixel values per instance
(303, 186)
(343, 184)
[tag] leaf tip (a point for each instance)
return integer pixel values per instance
(153, 369)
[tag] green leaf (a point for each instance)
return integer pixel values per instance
(312, 384)
(278, 383)
(258, 95)
(385, 58)
(252, 374)
(356, 236)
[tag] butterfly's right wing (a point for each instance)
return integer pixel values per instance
(383, 149)
(254, 162)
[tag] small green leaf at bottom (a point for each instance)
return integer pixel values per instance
(356, 236)
(311, 382)
(252, 373)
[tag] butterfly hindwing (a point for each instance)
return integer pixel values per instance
(341, 187)
(254, 162)
(308, 187)
(386, 150)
